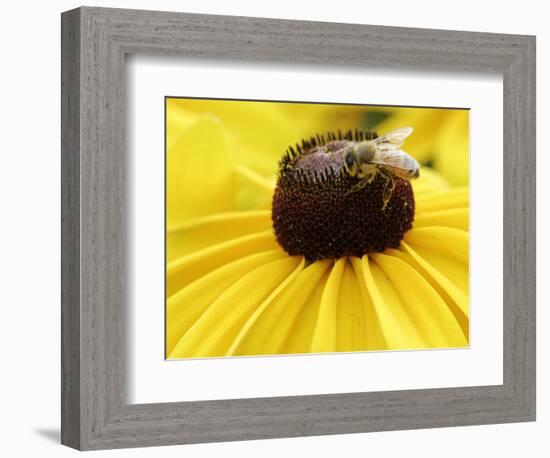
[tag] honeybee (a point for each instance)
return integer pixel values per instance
(381, 156)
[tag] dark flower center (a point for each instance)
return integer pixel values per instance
(317, 212)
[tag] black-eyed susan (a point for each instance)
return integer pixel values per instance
(258, 265)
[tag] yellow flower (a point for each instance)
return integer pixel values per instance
(232, 289)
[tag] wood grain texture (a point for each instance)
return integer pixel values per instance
(70, 229)
(95, 410)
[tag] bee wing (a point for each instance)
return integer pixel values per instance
(395, 159)
(393, 139)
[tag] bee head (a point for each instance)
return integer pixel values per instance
(350, 163)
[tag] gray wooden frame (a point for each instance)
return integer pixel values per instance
(95, 413)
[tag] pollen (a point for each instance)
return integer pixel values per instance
(317, 213)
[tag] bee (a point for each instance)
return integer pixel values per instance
(380, 156)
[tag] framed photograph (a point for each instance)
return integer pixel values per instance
(277, 228)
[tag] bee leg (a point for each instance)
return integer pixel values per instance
(388, 189)
(366, 179)
(370, 175)
(359, 185)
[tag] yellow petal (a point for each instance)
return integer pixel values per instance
(177, 122)
(214, 332)
(300, 334)
(324, 337)
(451, 156)
(443, 241)
(183, 271)
(456, 299)
(396, 325)
(373, 332)
(254, 191)
(268, 328)
(214, 229)
(428, 183)
(199, 176)
(259, 131)
(435, 201)
(188, 304)
(458, 218)
(431, 316)
(351, 332)
(444, 250)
